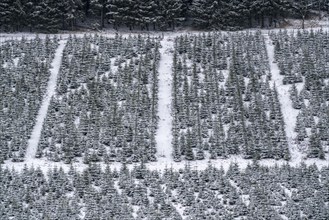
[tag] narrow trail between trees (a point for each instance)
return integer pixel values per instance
(289, 113)
(51, 87)
(164, 134)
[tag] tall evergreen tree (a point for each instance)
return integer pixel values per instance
(29, 13)
(315, 149)
(48, 16)
(172, 13)
(302, 8)
(204, 12)
(98, 8)
(6, 14)
(17, 13)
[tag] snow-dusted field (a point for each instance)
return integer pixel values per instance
(164, 137)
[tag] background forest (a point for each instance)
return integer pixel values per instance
(54, 15)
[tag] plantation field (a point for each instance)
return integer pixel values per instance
(251, 95)
(213, 125)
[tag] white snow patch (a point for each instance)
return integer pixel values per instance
(164, 135)
(36, 133)
(15, 60)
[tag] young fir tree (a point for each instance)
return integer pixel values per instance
(315, 149)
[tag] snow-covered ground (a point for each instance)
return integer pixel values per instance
(164, 136)
(46, 165)
(51, 87)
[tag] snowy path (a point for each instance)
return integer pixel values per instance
(164, 135)
(289, 113)
(35, 136)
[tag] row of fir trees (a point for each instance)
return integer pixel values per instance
(105, 107)
(224, 102)
(305, 69)
(256, 192)
(24, 73)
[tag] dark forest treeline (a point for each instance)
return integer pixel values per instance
(55, 15)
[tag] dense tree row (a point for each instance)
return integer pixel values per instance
(307, 64)
(53, 15)
(223, 102)
(257, 192)
(24, 73)
(105, 107)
